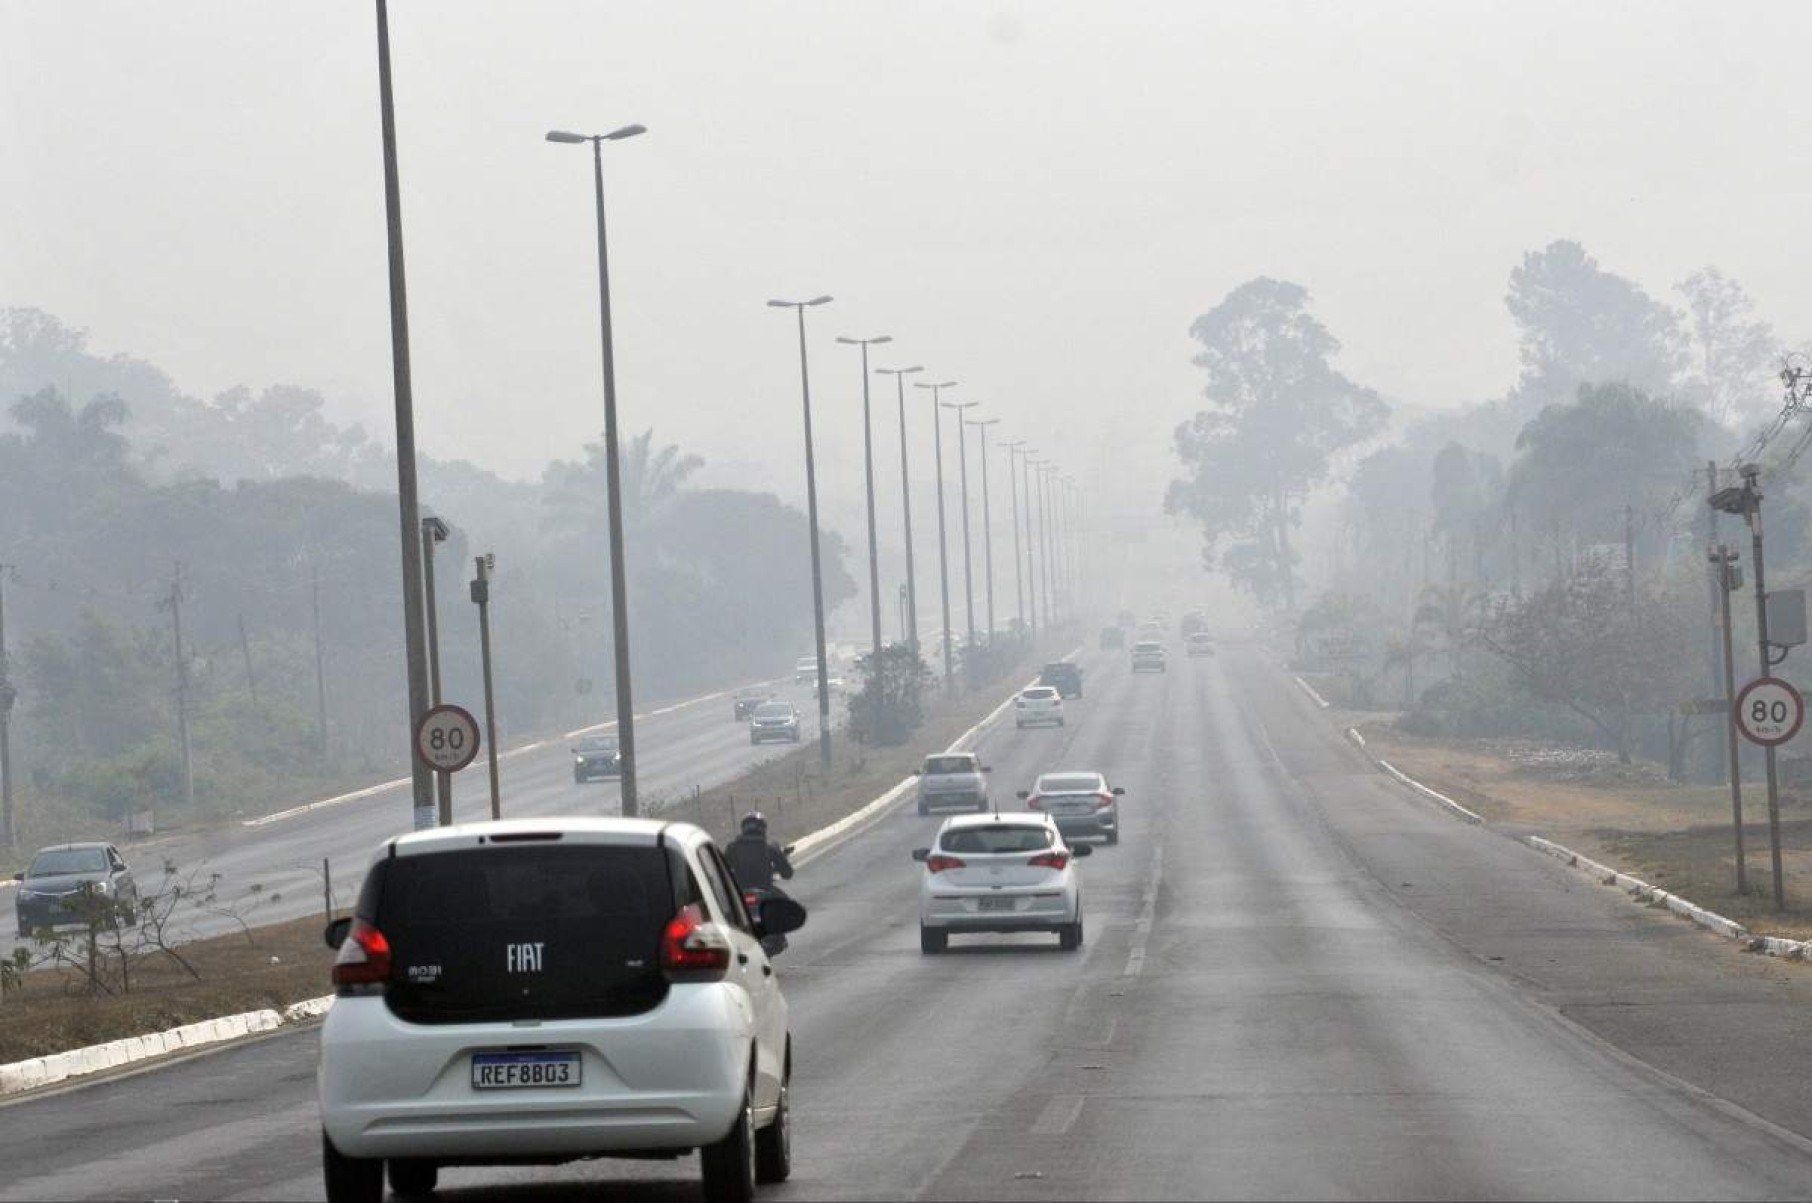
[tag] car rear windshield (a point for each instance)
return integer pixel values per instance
(1022, 837)
(597, 743)
(1069, 783)
(1148, 647)
(774, 710)
(536, 931)
(68, 860)
(1043, 693)
(936, 765)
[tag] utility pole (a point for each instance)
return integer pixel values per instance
(174, 601)
(981, 428)
(868, 475)
(911, 587)
(414, 641)
(481, 594)
(1752, 497)
(1726, 579)
(314, 591)
(962, 459)
(434, 530)
(8, 695)
(943, 566)
(1019, 590)
(1720, 596)
(245, 648)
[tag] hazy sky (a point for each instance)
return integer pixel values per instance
(1034, 199)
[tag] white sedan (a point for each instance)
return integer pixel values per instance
(1038, 705)
(999, 873)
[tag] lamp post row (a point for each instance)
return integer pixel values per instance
(419, 537)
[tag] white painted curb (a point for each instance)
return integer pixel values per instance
(1310, 690)
(1641, 890)
(1459, 811)
(77, 1062)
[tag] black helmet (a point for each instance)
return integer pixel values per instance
(755, 823)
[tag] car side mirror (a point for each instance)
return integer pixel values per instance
(779, 915)
(1082, 850)
(1023, 794)
(987, 768)
(788, 848)
(19, 876)
(919, 854)
(335, 935)
(1119, 791)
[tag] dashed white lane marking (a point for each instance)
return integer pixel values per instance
(1058, 1116)
(1135, 960)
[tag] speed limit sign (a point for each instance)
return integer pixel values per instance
(1769, 711)
(446, 738)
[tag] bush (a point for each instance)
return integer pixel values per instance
(889, 707)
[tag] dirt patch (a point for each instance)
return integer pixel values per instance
(268, 967)
(1678, 837)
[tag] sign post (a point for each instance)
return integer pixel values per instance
(446, 738)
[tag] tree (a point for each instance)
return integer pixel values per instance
(1579, 466)
(1733, 353)
(1278, 411)
(889, 706)
(577, 501)
(1580, 324)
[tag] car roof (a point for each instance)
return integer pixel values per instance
(587, 830)
(88, 846)
(1014, 818)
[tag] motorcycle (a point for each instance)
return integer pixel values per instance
(752, 900)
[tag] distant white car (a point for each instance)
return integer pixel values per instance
(999, 873)
(805, 669)
(1148, 656)
(1200, 644)
(1080, 803)
(1038, 705)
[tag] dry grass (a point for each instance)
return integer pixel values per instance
(1679, 837)
(269, 967)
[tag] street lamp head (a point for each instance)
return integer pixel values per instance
(959, 404)
(560, 135)
(823, 300)
(899, 371)
(797, 304)
(627, 131)
(436, 529)
(877, 340)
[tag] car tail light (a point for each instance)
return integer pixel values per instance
(1103, 800)
(694, 947)
(1050, 860)
(940, 862)
(364, 958)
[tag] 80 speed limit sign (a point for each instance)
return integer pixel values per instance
(446, 738)
(1769, 711)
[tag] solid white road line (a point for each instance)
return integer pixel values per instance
(1135, 960)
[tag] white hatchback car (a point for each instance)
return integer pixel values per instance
(999, 873)
(1038, 705)
(548, 990)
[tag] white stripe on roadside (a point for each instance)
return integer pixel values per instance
(1135, 960)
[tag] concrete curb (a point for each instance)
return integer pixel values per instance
(1310, 690)
(1642, 891)
(78, 1062)
(1436, 796)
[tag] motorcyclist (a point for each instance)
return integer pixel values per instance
(754, 858)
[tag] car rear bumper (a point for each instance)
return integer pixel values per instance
(961, 912)
(672, 1079)
(1098, 822)
(763, 735)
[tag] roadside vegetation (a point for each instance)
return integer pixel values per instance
(1512, 596)
(268, 532)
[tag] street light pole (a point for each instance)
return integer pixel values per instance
(868, 465)
(414, 640)
(943, 566)
(1019, 599)
(911, 587)
(481, 595)
(1040, 600)
(1047, 524)
(962, 457)
(987, 524)
(613, 487)
(1724, 569)
(1752, 499)
(811, 505)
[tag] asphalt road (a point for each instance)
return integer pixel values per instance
(1299, 981)
(680, 745)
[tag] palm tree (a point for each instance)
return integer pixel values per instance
(85, 436)
(573, 494)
